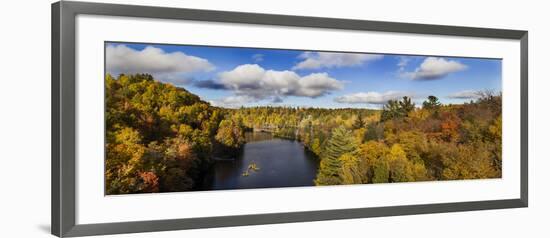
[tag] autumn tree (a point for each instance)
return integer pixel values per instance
(350, 172)
(230, 136)
(401, 169)
(469, 162)
(123, 162)
(373, 162)
(149, 182)
(375, 131)
(495, 133)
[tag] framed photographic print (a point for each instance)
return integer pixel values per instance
(166, 119)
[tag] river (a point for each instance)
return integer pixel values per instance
(265, 162)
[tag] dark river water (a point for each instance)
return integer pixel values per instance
(265, 162)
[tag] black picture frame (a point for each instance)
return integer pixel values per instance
(64, 107)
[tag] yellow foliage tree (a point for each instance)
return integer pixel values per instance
(401, 169)
(350, 172)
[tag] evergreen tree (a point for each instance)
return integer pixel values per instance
(340, 142)
(432, 103)
(406, 106)
(397, 109)
(359, 122)
(390, 110)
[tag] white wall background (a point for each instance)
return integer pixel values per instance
(25, 118)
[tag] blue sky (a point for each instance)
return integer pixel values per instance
(235, 77)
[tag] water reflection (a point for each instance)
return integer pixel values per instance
(277, 162)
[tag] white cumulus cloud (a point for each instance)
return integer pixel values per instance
(255, 81)
(171, 66)
(251, 83)
(317, 60)
(372, 97)
(435, 68)
(232, 101)
(466, 94)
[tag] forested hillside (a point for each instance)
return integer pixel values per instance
(159, 137)
(163, 138)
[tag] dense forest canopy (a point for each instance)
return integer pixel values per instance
(162, 138)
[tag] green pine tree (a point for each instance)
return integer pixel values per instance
(432, 103)
(359, 122)
(340, 142)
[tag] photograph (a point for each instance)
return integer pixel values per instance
(183, 118)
